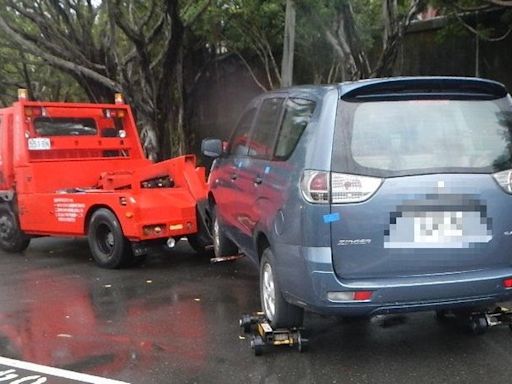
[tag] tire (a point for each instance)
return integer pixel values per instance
(278, 311)
(222, 245)
(12, 238)
(109, 248)
(257, 345)
(478, 325)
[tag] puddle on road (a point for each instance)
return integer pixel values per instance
(101, 328)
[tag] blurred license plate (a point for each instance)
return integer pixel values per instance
(435, 227)
(438, 229)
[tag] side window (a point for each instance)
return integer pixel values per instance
(297, 114)
(238, 142)
(265, 128)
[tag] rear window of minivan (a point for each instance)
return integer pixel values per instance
(392, 138)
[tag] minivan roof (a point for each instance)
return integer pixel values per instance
(420, 86)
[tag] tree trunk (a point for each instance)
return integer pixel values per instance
(181, 145)
(389, 19)
(288, 45)
(149, 137)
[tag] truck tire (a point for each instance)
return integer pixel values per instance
(109, 248)
(222, 245)
(278, 311)
(12, 238)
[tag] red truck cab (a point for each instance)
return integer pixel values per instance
(75, 169)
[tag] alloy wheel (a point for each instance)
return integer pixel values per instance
(216, 237)
(269, 293)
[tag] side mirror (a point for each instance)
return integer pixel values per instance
(212, 147)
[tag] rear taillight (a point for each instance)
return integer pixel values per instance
(504, 179)
(507, 283)
(315, 186)
(338, 188)
(353, 188)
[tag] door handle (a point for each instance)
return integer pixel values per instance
(258, 180)
(234, 176)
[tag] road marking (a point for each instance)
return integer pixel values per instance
(57, 372)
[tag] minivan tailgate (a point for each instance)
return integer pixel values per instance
(426, 224)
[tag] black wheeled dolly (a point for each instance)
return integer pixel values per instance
(262, 334)
(480, 322)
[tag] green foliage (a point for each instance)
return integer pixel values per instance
(235, 24)
(253, 28)
(469, 17)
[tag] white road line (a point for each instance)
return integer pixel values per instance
(58, 372)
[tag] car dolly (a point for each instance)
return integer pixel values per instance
(262, 333)
(480, 322)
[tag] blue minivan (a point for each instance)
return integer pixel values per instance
(370, 197)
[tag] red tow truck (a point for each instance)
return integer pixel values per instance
(75, 169)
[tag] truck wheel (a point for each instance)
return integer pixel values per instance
(278, 311)
(108, 245)
(12, 238)
(222, 245)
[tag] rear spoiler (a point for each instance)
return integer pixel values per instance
(424, 88)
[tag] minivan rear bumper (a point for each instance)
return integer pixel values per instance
(397, 294)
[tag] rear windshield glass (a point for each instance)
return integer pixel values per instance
(392, 138)
(65, 126)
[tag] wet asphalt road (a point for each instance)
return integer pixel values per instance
(175, 320)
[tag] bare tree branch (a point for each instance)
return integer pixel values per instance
(52, 38)
(501, 3)
(461, 8)
(57, 61)
(480, 34)
(251, 72)
(397, 28)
